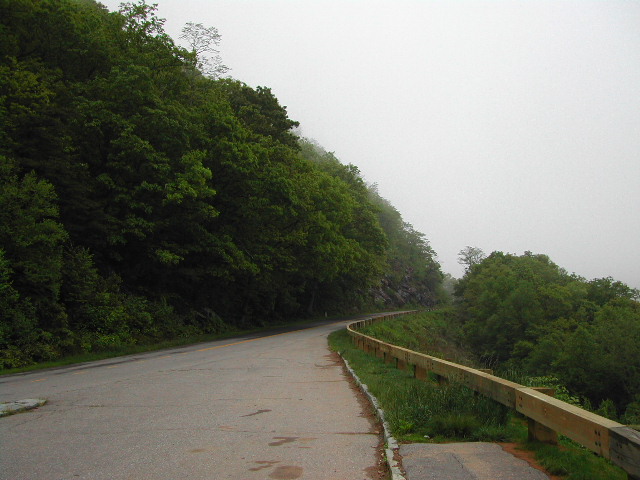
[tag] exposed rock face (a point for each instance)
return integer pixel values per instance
(406, 291)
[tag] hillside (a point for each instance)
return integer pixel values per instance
(145, 197)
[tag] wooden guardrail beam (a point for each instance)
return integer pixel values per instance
(624, 443)
(584, 427)
(609, 439)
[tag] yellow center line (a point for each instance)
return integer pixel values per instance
(268, 336)
(219, 346)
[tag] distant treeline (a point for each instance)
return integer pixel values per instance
(141, 199)
(524, 313)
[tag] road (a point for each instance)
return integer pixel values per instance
(276, 407)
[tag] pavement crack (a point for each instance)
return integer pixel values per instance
(282, 440)
(457, 459)
(263, 464)
(25, 419)
(256, 413)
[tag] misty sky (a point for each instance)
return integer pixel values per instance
(505, 125)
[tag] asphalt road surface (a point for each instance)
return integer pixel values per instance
(276, 407)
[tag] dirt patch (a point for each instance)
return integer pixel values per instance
(528, 456)
(287, 472)
(333, 361)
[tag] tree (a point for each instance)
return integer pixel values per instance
(470, 256)
(18, 323)
(202, 42)
(260, 112)
(140, 198)
(32, 238)
(502, 301)
(410, 272)
(526, 312)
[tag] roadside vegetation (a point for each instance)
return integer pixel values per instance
(525, 314)
(145, 196)
(424, 411)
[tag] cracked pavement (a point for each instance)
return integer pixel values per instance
(276, 407)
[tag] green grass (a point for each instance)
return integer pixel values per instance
(435, 333)
(424, 411)
(420, 411)
(574, 463)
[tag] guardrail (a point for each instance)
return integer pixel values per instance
(547, 416)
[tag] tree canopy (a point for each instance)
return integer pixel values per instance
(527, 313)
(145, 197)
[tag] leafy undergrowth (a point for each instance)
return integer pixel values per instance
(423, 411)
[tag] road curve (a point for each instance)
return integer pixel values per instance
(275, 407)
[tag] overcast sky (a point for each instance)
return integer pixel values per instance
(504, 125)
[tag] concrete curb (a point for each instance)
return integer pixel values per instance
(20, 406)
(392, 448)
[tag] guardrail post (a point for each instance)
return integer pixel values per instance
(537, 431)
(624, 450)
(483, 370)
(401, 365)
(421, 373)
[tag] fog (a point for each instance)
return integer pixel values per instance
(502, 125)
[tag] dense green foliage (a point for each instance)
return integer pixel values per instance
(525, 312)
(141, 199)
(411, 274)
(423, 411)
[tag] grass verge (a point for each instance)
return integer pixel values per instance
(420, 411)
(424, 411)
